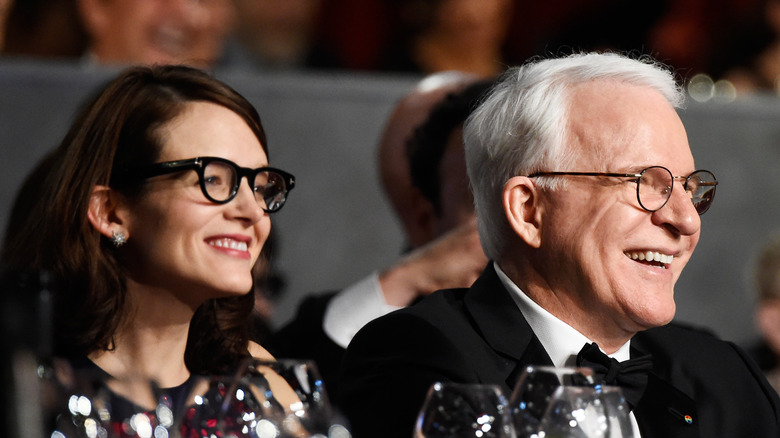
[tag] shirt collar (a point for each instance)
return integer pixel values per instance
(560, 340)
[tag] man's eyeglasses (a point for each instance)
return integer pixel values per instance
(220, 179)
(654, 186)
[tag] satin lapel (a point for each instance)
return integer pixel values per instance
(665, 411)
(501, 324)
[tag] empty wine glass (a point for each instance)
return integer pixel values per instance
(459, 410)
(201, 410)
(586, 412)
(617, 410)
(535, 390)
(222, 406)
(290, 395)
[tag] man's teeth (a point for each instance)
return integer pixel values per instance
(651, 256)
(229, 243)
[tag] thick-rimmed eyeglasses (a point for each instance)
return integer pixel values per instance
(654, 186)
(220, 179)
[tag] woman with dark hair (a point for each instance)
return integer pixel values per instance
(150, 218)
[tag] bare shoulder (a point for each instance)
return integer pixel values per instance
(258, 352)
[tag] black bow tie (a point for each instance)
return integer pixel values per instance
(630, 375)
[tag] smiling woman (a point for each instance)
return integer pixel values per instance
(165, 182)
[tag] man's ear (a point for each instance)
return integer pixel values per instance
(520, 199)
(107, 212)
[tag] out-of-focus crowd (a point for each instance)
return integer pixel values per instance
(734, 40)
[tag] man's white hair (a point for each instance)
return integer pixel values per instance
(520, 126)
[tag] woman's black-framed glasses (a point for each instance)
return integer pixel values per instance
(654, 186)
(220, 179)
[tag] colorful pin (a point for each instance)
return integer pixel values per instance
(687, 418)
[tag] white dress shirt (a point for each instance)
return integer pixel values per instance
(561, 341)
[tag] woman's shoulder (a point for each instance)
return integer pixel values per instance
(258, 352)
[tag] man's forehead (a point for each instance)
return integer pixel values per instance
(613, 125)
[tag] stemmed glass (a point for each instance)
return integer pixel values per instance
(203, 409)
(535, 390)
(290, 394)
(459, 410)
(586, 412)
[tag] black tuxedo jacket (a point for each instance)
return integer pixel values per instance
(478, 335)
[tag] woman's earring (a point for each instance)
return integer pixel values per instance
(118, 238)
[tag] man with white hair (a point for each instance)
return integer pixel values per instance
(588, 205)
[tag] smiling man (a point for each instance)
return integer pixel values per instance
(124, 32)
(588, 204)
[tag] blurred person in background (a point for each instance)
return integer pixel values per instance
(5, 8)
(277, 34)
(395, 175)
(123, 32)
(442, 241)
(443, 208)
(767, 284)
(43, 29)
(440, 35)
(749, 55)
(685, 34)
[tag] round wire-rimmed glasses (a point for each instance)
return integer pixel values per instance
(220, 179)
(654, 186)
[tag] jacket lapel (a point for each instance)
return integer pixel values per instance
(493, 311)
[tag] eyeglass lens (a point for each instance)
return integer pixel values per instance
(221, 183)
(701, 186)
(655, 188)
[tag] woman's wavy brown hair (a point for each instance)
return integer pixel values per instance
(120, 130)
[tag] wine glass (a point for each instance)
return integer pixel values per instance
(535, 390)
(221, 406)
(586, 412)
(200, 412)
(617, 411)
(289, 394)
(460, 410)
